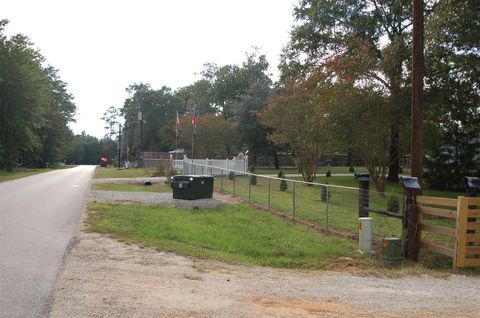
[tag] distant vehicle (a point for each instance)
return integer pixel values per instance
(103, 162)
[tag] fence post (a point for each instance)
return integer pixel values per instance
(411, 231)
(221, 181)
(269, 182)
(328, 199)
(234, 177)
(472, 187)
(461, 233)
(363, 193)
(293, 199)
(249, 190)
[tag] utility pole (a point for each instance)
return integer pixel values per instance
(418, 72)
(119, 144)
(140, 118)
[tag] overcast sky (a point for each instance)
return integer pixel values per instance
(101, 47)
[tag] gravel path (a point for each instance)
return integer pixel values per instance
(152, 198)
(130, 180)
(103, 277)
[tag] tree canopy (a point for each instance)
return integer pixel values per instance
(35, 106)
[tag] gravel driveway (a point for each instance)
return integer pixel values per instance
(103, 277)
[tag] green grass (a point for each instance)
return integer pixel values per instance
(18, 173)
(128, 187)
(232, 233)
(112, 172)
(342, 208)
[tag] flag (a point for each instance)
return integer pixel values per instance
(177, 126)
(194, 117)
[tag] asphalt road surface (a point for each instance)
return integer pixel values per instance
(39, 219)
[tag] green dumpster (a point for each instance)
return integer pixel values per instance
(189, 187)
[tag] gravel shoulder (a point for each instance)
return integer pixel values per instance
(103, 277)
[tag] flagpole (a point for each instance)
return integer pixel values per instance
(194, 132)
(193, 143)
(177, 134)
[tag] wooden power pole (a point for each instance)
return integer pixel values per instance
(418, 73)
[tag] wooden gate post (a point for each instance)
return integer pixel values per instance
(472, 189)
(411, 232)
(363, 193)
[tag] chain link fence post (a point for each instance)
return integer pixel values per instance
(293, 199)
(221, 180)
(249, 190)
(269, 184)
(326, 203)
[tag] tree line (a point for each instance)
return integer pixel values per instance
(345, 85)
(35, 106)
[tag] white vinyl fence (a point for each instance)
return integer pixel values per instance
(214, 167)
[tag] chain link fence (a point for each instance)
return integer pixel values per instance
(329, 206)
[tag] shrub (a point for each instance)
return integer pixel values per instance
(283, 182)
(326, 195)
(231, 175)
(328, 174)
(351, 169)
(253, 179)
(400, 170)
(393, 204)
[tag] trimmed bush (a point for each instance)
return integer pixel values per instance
(231, 175)
(393, 204)
(253, 179)
(283, 183)
(351, 169)
(328, 174)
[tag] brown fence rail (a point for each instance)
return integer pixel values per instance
(465, 232)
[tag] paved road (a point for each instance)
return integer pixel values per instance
(39, 218)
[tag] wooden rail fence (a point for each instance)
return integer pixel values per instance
(466, 234)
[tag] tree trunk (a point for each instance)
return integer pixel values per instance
(275, 158)
(394, 164)
(349, 157)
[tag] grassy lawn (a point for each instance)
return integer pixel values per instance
(341, 213)
(112, 172)
(25, 172)
(232, 233)
(128, 187)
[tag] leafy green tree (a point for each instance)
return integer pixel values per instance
(215, 135)
(366, 41)
(35, 106)
(252, 135)
(452, 93)
(297, 118)
(362, 118)
(158, 108)
(230, 82)
(86, 149)
(198, 94)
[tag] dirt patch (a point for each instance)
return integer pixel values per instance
(103, 277)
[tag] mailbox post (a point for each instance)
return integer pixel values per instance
(411, 188)
(363, 199)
